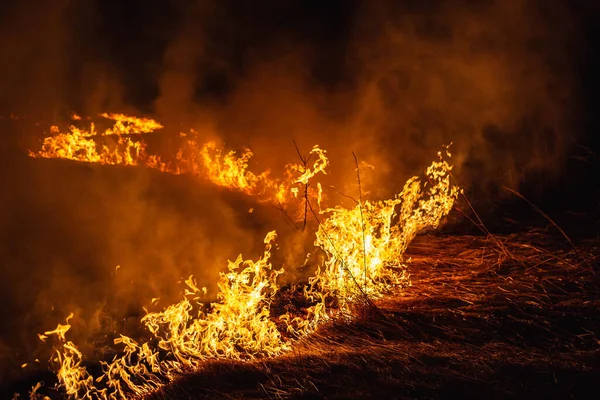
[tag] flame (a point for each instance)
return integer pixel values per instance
(238, 327)
(73, 377)
(319, 166)
(60, 330)
(128, 125)
(363, 249)
(227, 169)
(79, 144)
(319, 194)
(363, 243)
(230, 170)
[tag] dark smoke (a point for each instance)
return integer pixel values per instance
(495, 78)
(390, 80)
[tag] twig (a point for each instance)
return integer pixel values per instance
(299, 154)
(481, 225)
(339, 258)
(304, 163)
(280, 208)
(305, 204)
(362, 221)
(342, 193)
(368, 301)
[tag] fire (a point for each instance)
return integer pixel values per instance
(231, 170)
(84, 145)
(319, 166)
(223, 168)
(238, 327)
(363, 249)
(128, 125)
(72, 376)
(60, 330)
(227, 169)
(364, 245)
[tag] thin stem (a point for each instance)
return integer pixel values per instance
(367, 300)
(362, 221)
(343, 194)
(553, 223)
(304, 162)
(280, 208)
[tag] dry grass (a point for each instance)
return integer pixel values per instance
(521, 320)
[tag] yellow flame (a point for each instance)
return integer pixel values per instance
(128, 125)
(237, 327)
(319, 194)
(60, 330)
(230, 170)
(362, 243)
(319, 165)
(363, 248)
(80, 145)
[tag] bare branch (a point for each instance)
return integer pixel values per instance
(280, 208)
(304, 162)
(300, 154)
(342, 193)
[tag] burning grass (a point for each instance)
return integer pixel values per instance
(514, 316)
(362, 246)
(478, 320)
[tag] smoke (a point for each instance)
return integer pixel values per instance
(391, 82)
(496, 79)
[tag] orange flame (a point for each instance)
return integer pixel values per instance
(81, 145)
(223, 168)
(363, 246)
